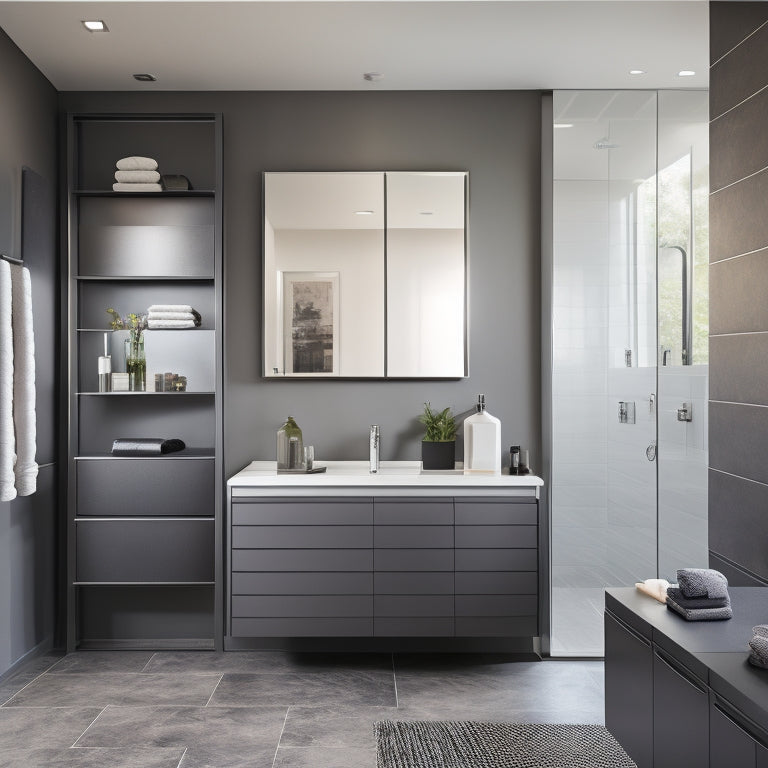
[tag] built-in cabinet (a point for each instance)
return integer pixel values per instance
(383, 566)
(143, 532)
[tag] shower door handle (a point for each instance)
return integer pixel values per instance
(650, 451)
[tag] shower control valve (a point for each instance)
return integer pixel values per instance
(685, 412)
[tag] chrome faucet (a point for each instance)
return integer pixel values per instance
(374, 442)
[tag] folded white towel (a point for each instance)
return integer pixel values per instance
(7, 438)
(136, 163)
(170, 316)
(120, 186)
(655, 588)
(143, 177)
(155, 323)
(24, 417)
(169, 308)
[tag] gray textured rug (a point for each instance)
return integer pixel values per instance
(434, 744)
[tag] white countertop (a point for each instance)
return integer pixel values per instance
(393, 478)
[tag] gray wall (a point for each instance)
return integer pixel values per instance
(738, 433)
(28, 137)
(493, 135)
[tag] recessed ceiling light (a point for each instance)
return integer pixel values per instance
(364, 213)
(95, 26)
(372, 77)
(426, 213)
(686, 73)
(562, 125)
(636, 71)
(144, 77)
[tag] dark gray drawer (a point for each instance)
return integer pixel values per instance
(302, 627)
(412, 605)
(312, 606)
(496, 605)
(496, 626)
(425, 626)
(413, 512)
(302, 560)
(496, 559)
(413, 536)
(302, 536)
(413, 559)
(302, 583)
(306, 512)
(496, 536)
(145, 551)
(413, 583)
(125, 487)
(496, 512)
(497, 583)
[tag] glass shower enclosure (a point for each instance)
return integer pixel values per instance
(627, 340)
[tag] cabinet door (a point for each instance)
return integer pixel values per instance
(680, 715)
(729, 744)
(629, 690)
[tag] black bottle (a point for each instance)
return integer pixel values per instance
(514, 460)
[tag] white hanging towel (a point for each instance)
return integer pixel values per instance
(7, 439)
(24, 418)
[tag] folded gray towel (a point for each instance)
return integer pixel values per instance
(135, 186)
(761, 630)
(757, 661)
(142, 177)
(136, 163)
(696, 602)
(146, 446)
(759, 645)
(700, 614)
(702, 582)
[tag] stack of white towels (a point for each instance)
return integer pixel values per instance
(137, 174)
(172, 316)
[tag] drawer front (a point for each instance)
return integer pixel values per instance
(311, 606)
(302, 583)
(127, 487)
(413, 536)
(413, 512)
(302, 560)
(496, 536)
(496, 512)
(413, 583)
(308, 512)
(413, 559)
(302, 536)
(496, 626)
(302, 627)
(412, 605)
(496, 605)
(496, 559)
(497, 583)
(425, 626)
(145, 551)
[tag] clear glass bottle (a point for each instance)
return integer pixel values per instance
(290, 446)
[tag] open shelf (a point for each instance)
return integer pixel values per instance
(160, 193)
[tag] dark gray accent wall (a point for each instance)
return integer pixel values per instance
(28, 137)
(495, 136)
(738, 432)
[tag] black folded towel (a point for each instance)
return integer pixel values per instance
(146, 446)
(692, 603)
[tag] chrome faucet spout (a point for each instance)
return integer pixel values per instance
(374, 442)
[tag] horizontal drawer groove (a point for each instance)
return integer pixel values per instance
(497, 583)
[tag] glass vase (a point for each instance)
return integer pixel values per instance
(135, 361)
(290, 446)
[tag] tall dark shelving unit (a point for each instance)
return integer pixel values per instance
(144, 534)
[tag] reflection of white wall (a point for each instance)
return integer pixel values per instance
(271, 340)
(357, 255)
(425, 302)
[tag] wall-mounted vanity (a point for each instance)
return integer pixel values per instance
(365, 275)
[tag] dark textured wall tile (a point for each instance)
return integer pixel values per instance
(740, 74)
(737, 291)
(741, 150)
(738, 441)
(730, 23)
(739, 368)
(738, 518)
(737, 220)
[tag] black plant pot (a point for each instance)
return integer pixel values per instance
(438, 455)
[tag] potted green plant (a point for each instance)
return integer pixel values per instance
(438, 448)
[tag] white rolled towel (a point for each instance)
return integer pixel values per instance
(141, 177)
(136, 163)
(120, 186)
(186, 308)
(164, 323)
(7, 437)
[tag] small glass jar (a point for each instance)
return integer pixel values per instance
(290, 446)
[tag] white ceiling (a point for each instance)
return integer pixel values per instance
(317, 45)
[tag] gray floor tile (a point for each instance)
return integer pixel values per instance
(127, 689)
(333, 726)
(325, 757)
(92, 758)
(34, 668)
(498, 713)
(103, 661)
(353, 687)
(22, 728)
(257, 757)
(199, 727)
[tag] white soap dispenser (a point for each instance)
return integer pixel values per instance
(482, 441)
